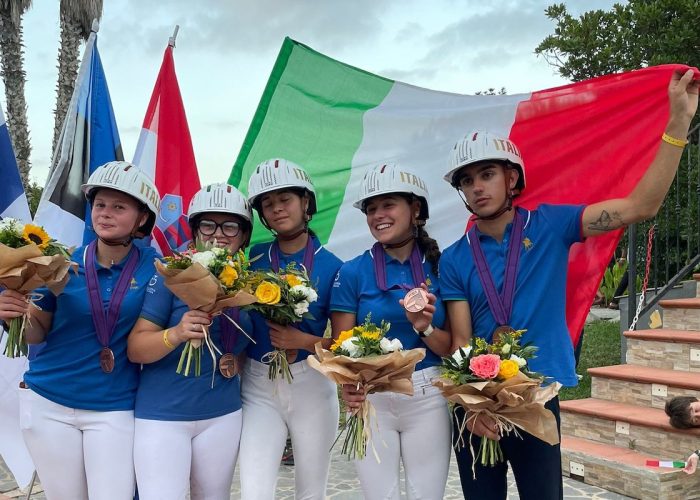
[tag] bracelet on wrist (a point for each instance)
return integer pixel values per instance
(681, 143)
(696, 452)
(425, 333)
(165, 339)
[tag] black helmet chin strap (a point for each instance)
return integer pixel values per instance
(507, 205)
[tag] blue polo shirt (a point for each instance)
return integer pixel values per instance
(325, 268)
(355, 291)
(67, 370)
(164, 394)
(540, 292)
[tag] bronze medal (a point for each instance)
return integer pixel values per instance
(228, 366)
(415, 300)
(501, 330)
(107, 360)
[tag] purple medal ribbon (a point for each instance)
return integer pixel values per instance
(105, 322)
(229, 332)
(380, 268)
(501, 304)
(308, 260)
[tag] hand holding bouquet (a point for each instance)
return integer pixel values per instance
(29, 259)
(494, 380)
(365, 358)
(282, 298)
(207, 279)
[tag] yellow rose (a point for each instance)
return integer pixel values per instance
(267, 293)
(228, 276)
(344, 335)
(507, 369)
(292, 279)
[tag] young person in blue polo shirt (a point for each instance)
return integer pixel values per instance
(414, 429)
(76, 407)
(284, 198)
(185, 422)
(488, 173)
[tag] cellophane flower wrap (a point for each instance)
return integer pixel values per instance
(283, 298)
(365, 358)
(206, 278)
(29, 259)
(494, 380)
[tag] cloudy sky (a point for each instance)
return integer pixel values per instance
(225, 51)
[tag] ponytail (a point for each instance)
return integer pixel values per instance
(428, 247)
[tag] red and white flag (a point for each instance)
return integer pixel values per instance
(164, 151)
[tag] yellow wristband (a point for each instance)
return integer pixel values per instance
(681, 143)
(165, 339)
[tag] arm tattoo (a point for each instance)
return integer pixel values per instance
(607, 222)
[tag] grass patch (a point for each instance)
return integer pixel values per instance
(601, 347)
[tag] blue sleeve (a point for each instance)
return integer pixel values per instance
(158, 302)
(344, 295)
(451, 279)
(564, 220)
(47, 302)
(242, 340)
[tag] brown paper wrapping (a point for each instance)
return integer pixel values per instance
(519, 400)
(25, 269)
(200, 289)
(386, 373)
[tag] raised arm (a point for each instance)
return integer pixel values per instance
(646, 198)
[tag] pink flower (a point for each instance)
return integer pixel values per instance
(485, 365)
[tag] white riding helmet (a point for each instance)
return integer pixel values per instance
(129, 179)
(277, 174)
(391, 178)
(478, 146)
(220, 197)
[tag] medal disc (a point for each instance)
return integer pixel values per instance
(228, 366)
(415, 300)
(107, 360)
(500, 331)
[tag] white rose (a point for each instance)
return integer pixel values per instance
(306, 291)
(385, 345)
(521, 361)
(505, 349)
(457, 356)
(301, 307)
(396, 345)
(350, 347)
(203, 258)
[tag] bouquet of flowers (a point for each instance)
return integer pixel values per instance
(282, 298)
(210, 279)
(29, 259)
(364, 357)
(494, 379)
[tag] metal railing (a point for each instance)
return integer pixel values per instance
(676, 244)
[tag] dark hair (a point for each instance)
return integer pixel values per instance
(429, 247)
(678, 410)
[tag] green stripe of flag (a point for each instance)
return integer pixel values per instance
(311, 113)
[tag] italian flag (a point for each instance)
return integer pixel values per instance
(581, 143)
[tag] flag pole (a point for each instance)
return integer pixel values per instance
(171, 40)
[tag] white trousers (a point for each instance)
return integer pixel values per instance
(308, 409)
(413, 429)
(79, 454)
(174, 458)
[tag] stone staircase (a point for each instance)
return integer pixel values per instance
(606, 439)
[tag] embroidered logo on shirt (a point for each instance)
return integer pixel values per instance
(133, 285)
(527, 243)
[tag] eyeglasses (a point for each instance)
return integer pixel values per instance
(209, 227)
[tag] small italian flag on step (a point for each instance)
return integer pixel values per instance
(674, 464)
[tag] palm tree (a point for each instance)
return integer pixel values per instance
(76, 23)
(13, 76)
